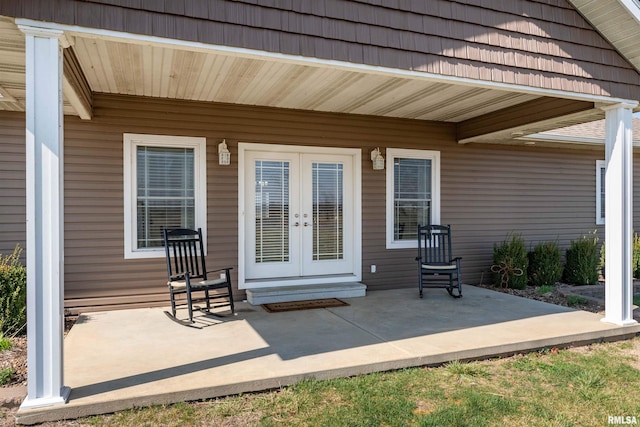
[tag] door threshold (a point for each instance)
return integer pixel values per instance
(274, 294)
(299, 281)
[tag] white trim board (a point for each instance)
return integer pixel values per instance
(129, 144)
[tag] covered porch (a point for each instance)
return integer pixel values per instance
(122, 359)
(74, 68)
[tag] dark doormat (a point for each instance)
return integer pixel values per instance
(277, 307)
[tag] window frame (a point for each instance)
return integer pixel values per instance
(392, 154)
(600, 164)
(131, 142)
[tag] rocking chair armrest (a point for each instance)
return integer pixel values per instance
(178, 277)
(220, 269)
(457, 260)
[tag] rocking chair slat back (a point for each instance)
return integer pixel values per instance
(187, 254)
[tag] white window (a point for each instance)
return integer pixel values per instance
(413, 194)
(600, 171)
(165, 185)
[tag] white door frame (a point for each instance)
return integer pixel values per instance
(356, 154)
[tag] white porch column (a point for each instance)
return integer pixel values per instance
(618, 214)
(45, 282)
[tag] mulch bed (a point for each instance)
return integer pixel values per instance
(558, 296)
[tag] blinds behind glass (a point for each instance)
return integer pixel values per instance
(165, 192)
(328, 211)
(272, 211)
(412, 196)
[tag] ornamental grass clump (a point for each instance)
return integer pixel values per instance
(582, 261)
(510, 263)
(545, 267)
(13, 294)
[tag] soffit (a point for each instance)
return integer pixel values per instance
(144, 70)
(616, 23)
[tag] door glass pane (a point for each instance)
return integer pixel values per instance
(165, 194)
(328, 212)
(411, 197)
(272, 211)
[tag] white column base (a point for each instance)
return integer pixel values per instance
(41, 402)
(627, 322)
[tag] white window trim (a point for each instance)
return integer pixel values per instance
(434, 156)
(131, 142)
(600, 164)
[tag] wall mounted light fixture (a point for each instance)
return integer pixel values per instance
(224, 156)
(377, 159)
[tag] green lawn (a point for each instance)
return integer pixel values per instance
(579, 387)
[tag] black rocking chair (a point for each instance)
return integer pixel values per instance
(188, 275)
(436, 267)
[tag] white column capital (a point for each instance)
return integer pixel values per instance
(41, 31)
(30, 30)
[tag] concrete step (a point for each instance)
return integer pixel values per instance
(257, 296)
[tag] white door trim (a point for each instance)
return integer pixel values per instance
(356, 155)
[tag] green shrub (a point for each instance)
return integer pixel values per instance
(602, 259)
(13, 294)
(573, 300)
(5, 343)
(545, 268)
(635, 257)
(545, 289)
(510, 259)
(582, 261)
(6, 375)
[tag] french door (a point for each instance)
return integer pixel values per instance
(298, 214)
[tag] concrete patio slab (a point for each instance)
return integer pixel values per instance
(121, 359)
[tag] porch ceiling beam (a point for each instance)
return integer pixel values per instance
(75, 86)
(519, 116)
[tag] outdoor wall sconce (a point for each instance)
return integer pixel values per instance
(377, 159)
(224, 157)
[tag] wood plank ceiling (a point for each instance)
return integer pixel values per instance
(117, 67)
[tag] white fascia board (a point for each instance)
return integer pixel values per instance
(304, 60)
(633, 7)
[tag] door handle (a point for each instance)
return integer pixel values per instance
(296, 224)
(306, 224)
